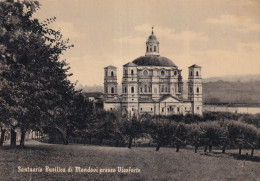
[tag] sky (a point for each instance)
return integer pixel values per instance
(222, 36)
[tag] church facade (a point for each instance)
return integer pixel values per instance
(152, 84)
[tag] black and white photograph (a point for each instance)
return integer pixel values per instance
(138, 90)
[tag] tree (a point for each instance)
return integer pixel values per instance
(211, 134)
(161, 130)
(132, 128)
(194, 136)
(180, 135)
(31, 73)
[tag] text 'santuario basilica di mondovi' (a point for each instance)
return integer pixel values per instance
(152, 84)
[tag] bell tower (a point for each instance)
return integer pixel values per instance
(152, 45)
(195, 89)
(110, 81)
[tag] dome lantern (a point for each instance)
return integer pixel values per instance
(152, 45)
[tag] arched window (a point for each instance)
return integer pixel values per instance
(132, 89)
(147, 48)
(145, 88)
(125, 90)
(155, 48)
(112, 74)
(162, 88)
(141, 89)
(145, 73)
(132, 72)
(190, 73)
(162, 73)
(198, 90)
(197, 73)
(112, 90)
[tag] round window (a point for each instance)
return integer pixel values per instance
(145, 73)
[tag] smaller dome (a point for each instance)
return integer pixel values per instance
(152, 38)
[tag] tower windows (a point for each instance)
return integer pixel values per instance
(162, 88)
(112, 90)
(132, 89)
(125, 71)
(190, 73)
(198, 90)
(197, 73)
(132, 72)
(155, 48)
(190, 89)
(162, 73)
(112, 74)
(145, 88)
(106, 73)
(141, 89)
(125, 90)
(175, 73)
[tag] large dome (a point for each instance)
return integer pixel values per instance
(154, 61)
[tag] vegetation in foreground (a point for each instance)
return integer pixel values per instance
(164, 165)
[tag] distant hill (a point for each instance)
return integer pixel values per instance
(86, 88)
(234, 78)
(231, 92)
(239, 89)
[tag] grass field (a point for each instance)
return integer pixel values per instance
(163, 165)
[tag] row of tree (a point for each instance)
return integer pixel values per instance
(173, 131)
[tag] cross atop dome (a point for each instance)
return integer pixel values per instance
(152, 45)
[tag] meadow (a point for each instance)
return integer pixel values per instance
(165, 164)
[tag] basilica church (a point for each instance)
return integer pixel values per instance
(152, 84)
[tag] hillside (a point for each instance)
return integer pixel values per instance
(231, 92)
(246, 92)
(165, 164)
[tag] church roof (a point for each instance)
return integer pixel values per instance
(110, 67)
(152, 38)
(195, 66)
(154, 61)
(130, 64)
(167, 96)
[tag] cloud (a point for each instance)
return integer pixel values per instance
(243, 23)
(131, 40)
(161, 31)
(170, 33)
(68, 29)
